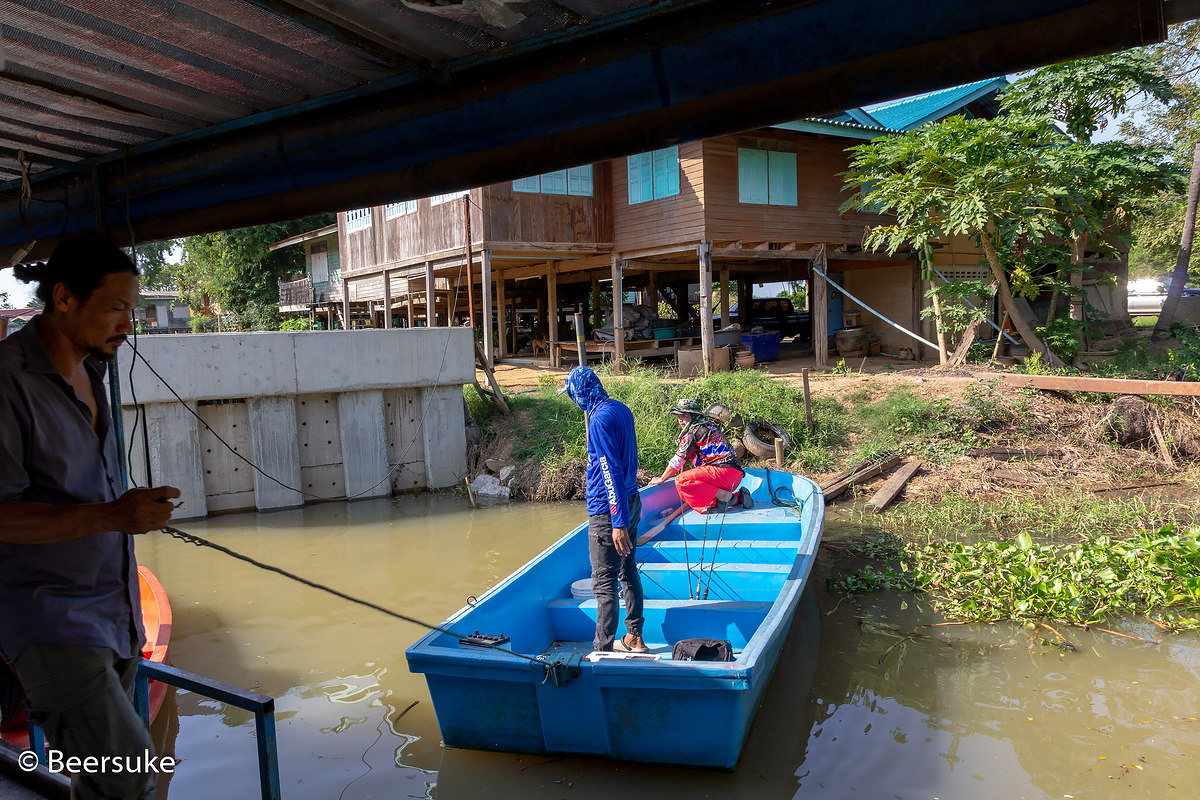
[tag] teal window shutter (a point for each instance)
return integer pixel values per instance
(641, 178)
(532, 184)
(554, 182)
(781, 183)
(579, 181)
(666, 172)
(753, 170)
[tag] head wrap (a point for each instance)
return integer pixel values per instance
(585, 389)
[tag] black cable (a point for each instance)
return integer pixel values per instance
(191, 538)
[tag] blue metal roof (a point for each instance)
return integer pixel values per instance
(912, 112)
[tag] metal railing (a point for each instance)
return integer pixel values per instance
(263, 708)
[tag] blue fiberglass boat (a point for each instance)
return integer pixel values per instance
(514, 671)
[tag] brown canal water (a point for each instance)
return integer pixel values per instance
(868, 700)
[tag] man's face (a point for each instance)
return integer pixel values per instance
(99, 324)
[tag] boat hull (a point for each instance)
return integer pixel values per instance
(545, 696)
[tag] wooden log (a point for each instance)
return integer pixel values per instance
(807, 402)
(496, 394)
(1163, 447)
(1014, 453)
(878, 468)
(1059, 383)
(881, 499)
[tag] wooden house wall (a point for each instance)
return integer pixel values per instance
(429, 229)
(535, 217)
(814, 218)
(669, 220)
(358, 249)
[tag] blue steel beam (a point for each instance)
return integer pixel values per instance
(707, 70)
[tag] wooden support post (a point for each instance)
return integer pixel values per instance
(652, 290)
(597, 320)
(745, 302)
(820, 310)
(726, 317)
(779, 453)
(706, 321)
(618, 314)
(346, 324)
(501, 308)
(466, 206)
(485, 279)
(387, 299)
(807, 402)
(408, 309)
(431, 297)
(552, 309)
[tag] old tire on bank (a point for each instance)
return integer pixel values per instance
(760, 437)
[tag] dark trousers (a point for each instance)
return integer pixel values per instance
(82, 697)
(607, 566)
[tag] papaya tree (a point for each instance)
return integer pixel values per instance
(1000, 181)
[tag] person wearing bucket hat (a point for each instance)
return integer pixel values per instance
(710, 483)
(614, 510)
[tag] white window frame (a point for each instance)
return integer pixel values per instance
(358, 220)
(438, 199)
(394, 210)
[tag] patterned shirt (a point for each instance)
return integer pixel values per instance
(704, 445)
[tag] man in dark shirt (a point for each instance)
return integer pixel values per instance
(614, 510)
(70, 617)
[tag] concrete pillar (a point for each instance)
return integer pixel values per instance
(276, 451)
(726, 317)
(364, 452)
(175, 455)
(706, 321)
(443, 435)
(487, 306)
(430, 296)
(501, 313)
(387, 299)
(618, 319)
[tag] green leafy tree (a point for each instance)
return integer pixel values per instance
(151, 260)
(237, 270)
(1084, 94)
(4, 301)
(994, 180)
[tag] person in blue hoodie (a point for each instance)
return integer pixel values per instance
(614, 510)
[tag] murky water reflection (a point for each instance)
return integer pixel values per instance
(868, 700)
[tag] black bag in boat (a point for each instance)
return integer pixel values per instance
(702, 650)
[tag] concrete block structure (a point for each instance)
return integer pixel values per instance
(275, 420)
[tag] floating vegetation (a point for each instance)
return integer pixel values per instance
(1153, 574)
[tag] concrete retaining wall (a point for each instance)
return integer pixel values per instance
(323, 415)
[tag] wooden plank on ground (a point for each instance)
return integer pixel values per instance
(880, 500)
(1014, 453)
(1059, 383)
(878, 468)
(841, 476)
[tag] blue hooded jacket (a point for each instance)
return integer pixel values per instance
(612, 447)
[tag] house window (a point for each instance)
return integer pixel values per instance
(574, 181)
(653, 175)
(766, 177)
(393, 210)
(357, 220)
(319, 260)
(438, 199)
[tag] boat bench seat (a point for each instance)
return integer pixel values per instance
(720, 581)
(667, 621)
(751, 551)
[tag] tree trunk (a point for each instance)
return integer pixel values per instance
(1167, 315)
(1035, 344)
(1078, 248)
(941, 331)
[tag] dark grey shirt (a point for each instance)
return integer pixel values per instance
(83, 591)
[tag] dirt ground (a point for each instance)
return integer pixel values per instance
(1097, 445)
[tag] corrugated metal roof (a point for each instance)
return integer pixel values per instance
(82, 78)
(903, 115)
